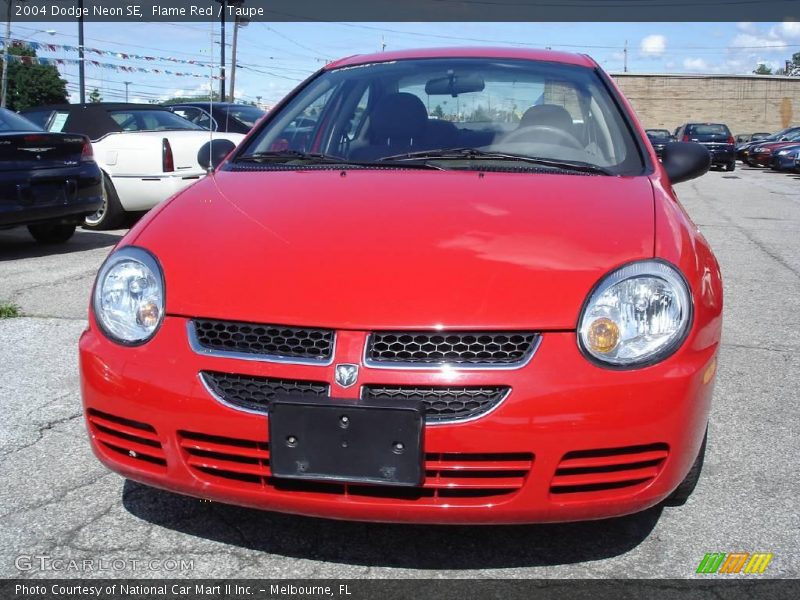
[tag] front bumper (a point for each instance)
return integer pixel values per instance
(783, 163)
(628, 437)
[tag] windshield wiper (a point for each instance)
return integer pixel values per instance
(287, 155)
(316, 157)
(475, 154)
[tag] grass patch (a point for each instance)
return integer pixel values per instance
(8, 310)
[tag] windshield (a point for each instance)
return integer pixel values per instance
(10, 121)
(150, 120)
(708, 129)
(530, 109)
(659, 134)
(248, 115)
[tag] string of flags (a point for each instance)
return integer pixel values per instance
(41, 60)
(48, 47)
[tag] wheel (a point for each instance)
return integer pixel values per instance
(51, 233)
(730, 166)
(686, 487)
(111, 214)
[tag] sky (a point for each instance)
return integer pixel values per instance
(275, 57)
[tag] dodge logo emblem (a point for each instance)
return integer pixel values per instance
(346, 375)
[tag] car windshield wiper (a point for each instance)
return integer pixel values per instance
(287, 155)
(316, 157)
(475, 154)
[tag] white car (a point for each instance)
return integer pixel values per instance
(146, 152)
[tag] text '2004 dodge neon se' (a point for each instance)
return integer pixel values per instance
(443, 286)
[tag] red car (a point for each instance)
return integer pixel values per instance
(760, 155)
(466, 293)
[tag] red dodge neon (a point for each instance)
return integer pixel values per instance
(434, 286)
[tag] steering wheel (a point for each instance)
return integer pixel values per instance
(533, 133)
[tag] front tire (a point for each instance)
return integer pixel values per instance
(109, 216)
(730, 166)
(51, 233)
(686, 487)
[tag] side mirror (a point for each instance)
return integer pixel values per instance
(685, 160)
(212, 153)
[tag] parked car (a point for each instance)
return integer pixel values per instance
(743, 138)
(743, 151)
(760, 154)
(49, 181)
(146, 153)
(717, 139)
(222, 116)
(783, 158)
(659, 138)
(417, 319)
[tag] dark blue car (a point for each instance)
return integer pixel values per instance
(785, 158)
(48, 181)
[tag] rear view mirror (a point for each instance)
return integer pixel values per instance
(211, 154)
(453, 85)
(685, 160)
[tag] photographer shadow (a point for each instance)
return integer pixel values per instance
(429, 547)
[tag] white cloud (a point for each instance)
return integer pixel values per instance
(788, 29)
(653, 45)
(745, 26)
(695, 64)
(767, 43)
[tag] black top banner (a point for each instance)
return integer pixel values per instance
(133, 11)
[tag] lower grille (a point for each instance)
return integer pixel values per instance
(442, 404)
(135, 440)
(584, 472)
(452, 476)
(255, 393)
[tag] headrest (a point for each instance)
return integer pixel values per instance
(547, 114)
(398, 115)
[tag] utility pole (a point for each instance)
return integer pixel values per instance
(6, 45)
(383, 44)
(238, 22)
(81, 65)
(224, 4)
(625, 58)
(127, 83)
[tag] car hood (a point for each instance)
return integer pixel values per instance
(372, 249)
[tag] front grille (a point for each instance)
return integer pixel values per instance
(442, 403)
(256, 393)
(458, 478)
(389, 348)
(270, 341)
(136, 441)
(585, 472)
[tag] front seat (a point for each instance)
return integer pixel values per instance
(397, 125)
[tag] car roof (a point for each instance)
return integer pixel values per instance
(201, 104)
(98, 106)
(466, 52)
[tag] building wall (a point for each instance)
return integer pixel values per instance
(746, 103)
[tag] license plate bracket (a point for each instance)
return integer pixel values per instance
(326, 439)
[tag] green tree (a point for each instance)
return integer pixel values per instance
(438, 112)
(762, 69)
(95, 96)
(32, 85)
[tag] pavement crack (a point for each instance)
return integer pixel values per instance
(40, 433)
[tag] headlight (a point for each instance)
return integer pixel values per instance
(759, 149)
(128, 296)
(782, 152)
(636, 316)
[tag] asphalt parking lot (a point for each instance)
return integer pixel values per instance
(57, 501)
